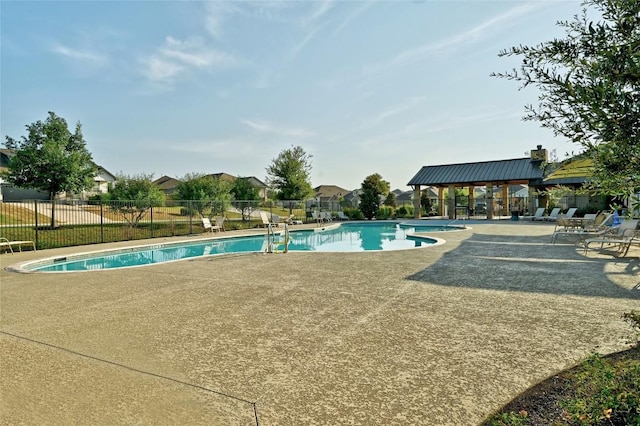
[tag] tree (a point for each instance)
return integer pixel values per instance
(289, 174)
(133, 196)
(245, 195)
(590, 90)
(373, 187)
(390, 200)
(51, 159)
(425, 201)
(206, 194)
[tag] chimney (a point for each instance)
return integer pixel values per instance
(539, 154)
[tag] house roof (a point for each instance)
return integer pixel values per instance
(255, 181)
(225, 176)
(230, 178)
(572, 172)
(166, 182)
(522, 170)
(330, 191)
(404, 195)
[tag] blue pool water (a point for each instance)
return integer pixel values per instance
(347, 237)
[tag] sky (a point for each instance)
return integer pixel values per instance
(178, 87)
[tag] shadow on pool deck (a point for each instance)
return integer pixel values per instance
(527, 264)
(435, 336)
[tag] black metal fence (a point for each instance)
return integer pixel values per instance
(60, 224)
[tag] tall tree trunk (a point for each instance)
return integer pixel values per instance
(53, 209)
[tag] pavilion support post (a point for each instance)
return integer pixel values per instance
(440, 201)
(417, 210)
(505, 199)
(489, 201)
(451, 202)
(533, 200)
(472, 201)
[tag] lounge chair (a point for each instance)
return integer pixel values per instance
(621, 236)
(291, 220)
(220, 223)
(563, 222)
(7, 245)
(552, 216)
(326, 216)
(536, 216)
(571, 212)
(318, 217)
(342, 216)
(599, 226)
(206, 223)
(265, 219)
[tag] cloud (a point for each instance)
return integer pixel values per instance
(371, 122)
(447, 121)
(352, 16)
(80, 55)
(215, 15)
(318, 12)
(473, 35)
(176, 57)
(268, 127)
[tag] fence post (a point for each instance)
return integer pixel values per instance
(36, 217)
(151, 214)
(101, 221)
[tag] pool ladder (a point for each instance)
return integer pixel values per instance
(464, 226)
(274, 242)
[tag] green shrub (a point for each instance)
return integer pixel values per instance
(384, 212)
(353, 213)
(590, 209)
(606, 391)
(404, 211)
(98, 199)
(186, 211)
(599, 391)
(508, 419)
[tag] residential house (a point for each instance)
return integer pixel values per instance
(260, 186)
(101, 182)
(352, 198)
(330, 196)
(167, 184)
(10, 192)
(257, 183)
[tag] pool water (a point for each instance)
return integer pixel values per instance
(348, 237)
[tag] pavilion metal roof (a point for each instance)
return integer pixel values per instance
(516, 170)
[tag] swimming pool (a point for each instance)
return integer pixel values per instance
(346, 237)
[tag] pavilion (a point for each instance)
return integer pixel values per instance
(490, 174)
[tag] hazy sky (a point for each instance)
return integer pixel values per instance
(173, 87)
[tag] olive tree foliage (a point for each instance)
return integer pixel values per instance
(373, 187)
(245, 196)
(51, 159)
(589, 85)
(206, 194)
(288, 174)
(133, 196)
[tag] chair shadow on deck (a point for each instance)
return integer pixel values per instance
(531, 264)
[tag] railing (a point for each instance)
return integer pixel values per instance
(58, 224)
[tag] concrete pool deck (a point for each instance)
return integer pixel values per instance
(434, 336)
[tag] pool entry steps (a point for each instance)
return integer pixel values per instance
(278, 239)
